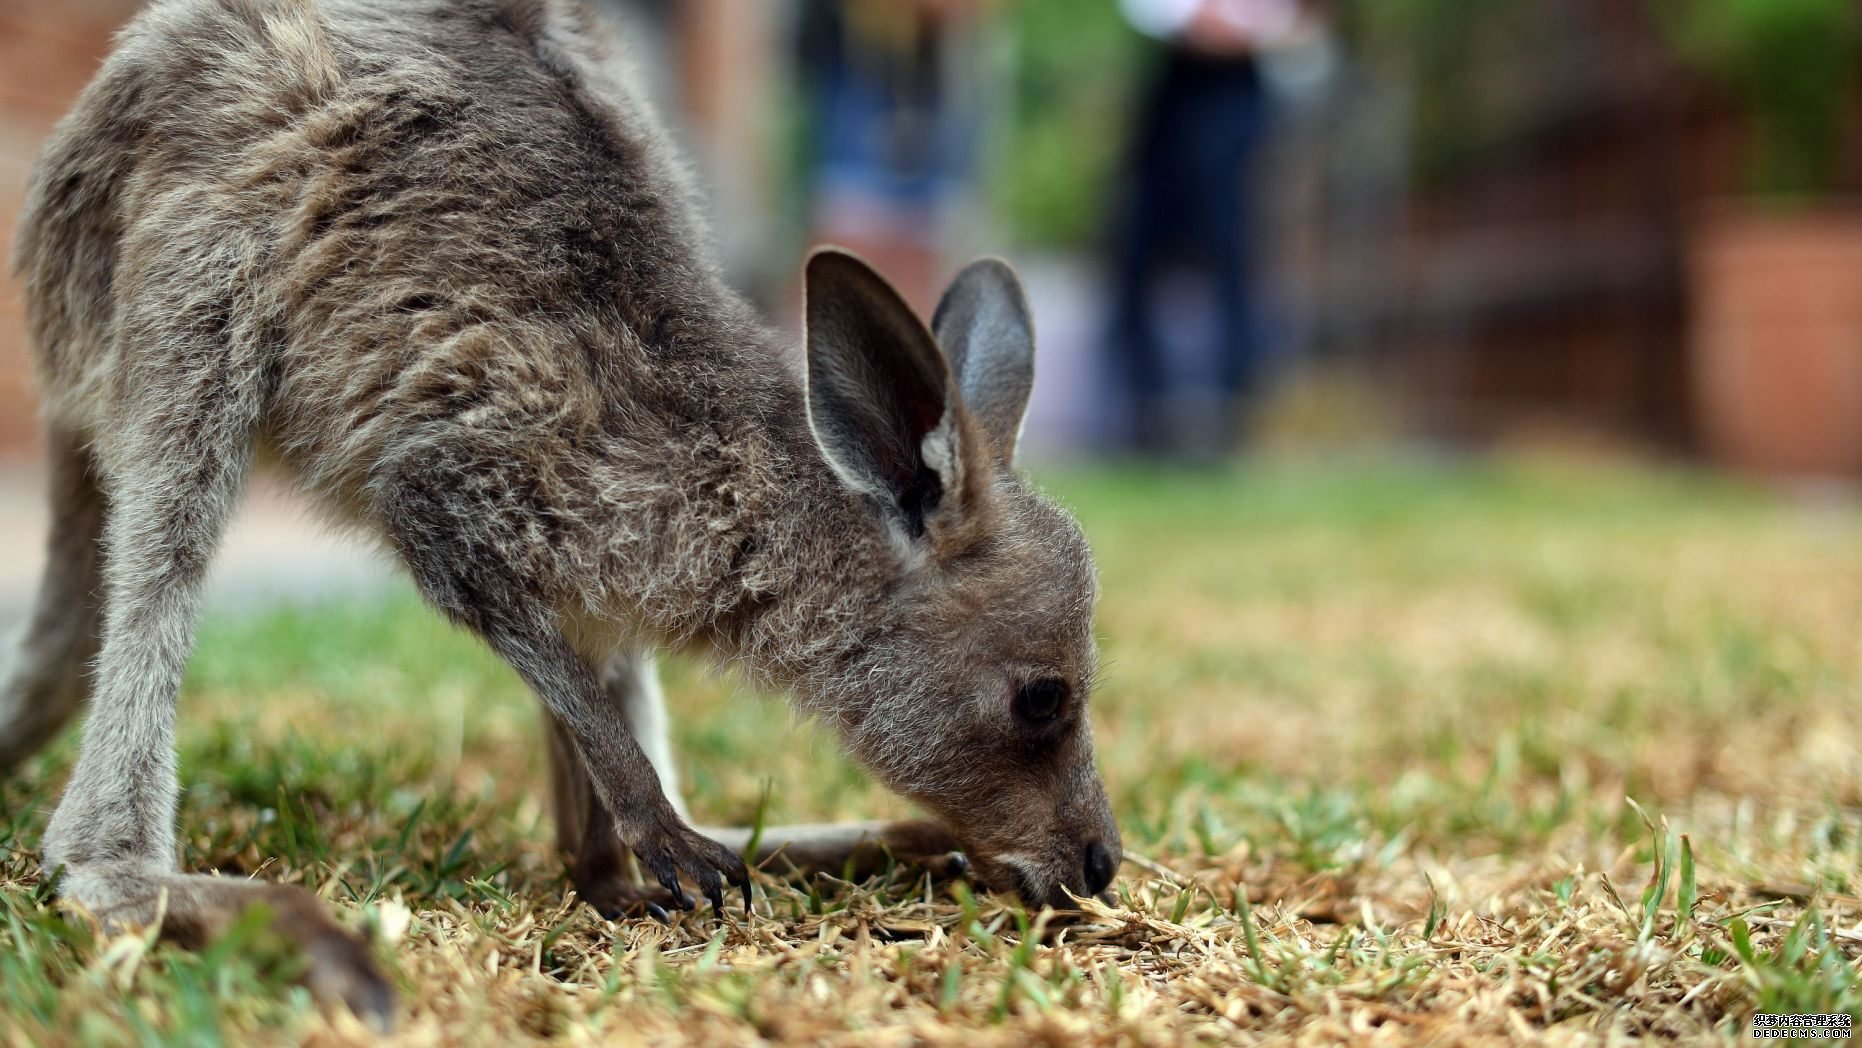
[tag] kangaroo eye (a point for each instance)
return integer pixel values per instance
(1041, 701)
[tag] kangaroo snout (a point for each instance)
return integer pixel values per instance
(1101, 863)
(1069, 865)
(1046, 857)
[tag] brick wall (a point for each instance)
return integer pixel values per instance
(48, 50)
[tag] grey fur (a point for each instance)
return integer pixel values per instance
(437, 259)
(47, 687)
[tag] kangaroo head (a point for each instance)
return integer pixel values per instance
(968, 691)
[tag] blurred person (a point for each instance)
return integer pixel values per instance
(1189, 195)
(893, 128)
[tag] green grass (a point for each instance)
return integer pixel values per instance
(1372, 731)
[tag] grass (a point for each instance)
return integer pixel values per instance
(1516, 752)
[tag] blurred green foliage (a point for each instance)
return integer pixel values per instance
(1075, 71)
(1791, 65)
(1473, 69)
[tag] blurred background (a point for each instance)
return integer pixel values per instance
(1626, 226)
(1446, 222)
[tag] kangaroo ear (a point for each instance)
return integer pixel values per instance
(984, 324)
(879, 391)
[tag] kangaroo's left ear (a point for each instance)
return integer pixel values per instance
(881, 400)
(984, 325)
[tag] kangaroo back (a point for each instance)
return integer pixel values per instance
(391, 212)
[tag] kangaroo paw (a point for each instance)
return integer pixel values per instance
(193, 910)
(669, 850)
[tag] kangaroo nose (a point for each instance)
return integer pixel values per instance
(1099, 868)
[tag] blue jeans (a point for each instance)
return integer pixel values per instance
(1190, 194)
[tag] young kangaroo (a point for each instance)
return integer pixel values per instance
(436, 258)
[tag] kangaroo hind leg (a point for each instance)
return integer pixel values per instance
(51, 675)
(178, 461)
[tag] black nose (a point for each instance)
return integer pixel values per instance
(1099, 868)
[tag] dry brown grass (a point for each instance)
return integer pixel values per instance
(1370, 733)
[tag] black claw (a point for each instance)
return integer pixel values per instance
(662, 869)
(669, 880)
(658, 913)
(716, 892)
(744, 883)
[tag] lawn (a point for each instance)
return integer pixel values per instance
(1519, 751)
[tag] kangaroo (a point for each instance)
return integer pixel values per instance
(436, 259)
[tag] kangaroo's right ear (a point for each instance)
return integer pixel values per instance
(984, 326)
(880, 394)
